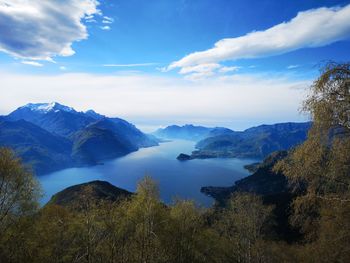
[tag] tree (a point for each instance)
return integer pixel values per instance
(19, 191)
(88, 211)
(329, 99)
(148, 217)
(54, 235)
(319, 169)
(118, 232)
(184, 231)
(244, 224)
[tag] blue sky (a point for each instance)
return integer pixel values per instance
(166, 61)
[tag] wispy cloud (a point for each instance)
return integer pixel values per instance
(199, 72)
(90, 19)
(106, 28)
(311, 28)
(107, 20)
(202, 68)
(130, 65)
(44, 29)
(203, 71)
(229, 69)
(293, 66)
(32, 63)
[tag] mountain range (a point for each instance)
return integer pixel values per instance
(190, 132)
(51, 136)
(255, 142)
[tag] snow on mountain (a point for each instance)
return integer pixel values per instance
(47, 107)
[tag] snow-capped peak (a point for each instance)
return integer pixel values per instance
(47, 107)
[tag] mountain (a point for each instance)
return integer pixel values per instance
(94, 115)
(271, 186)
(217, 131)
(76, 195)
(37, 147)
(256, 142)
(54, 117)
(96, 143)
(108, 138)
(190, 132)
(127, 132)
(262, 182)
(89, 137)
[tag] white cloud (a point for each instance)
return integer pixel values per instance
(107, 20)
(229, 69)
(105, 28)
(202, 68)
(44, 29)
(88, 17)
(226, 100)
(292, 66)
(90, 21)
(203, 71)
(130, 65)
(311, 28)
(63, 68)
(32, 63)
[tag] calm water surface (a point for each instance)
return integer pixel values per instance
(175, 178)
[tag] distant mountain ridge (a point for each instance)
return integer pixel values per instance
(190, 132)
(255, 142)
(80, 138)
(54, 117)
(52, 136)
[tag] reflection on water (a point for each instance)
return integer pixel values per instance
(175, 178)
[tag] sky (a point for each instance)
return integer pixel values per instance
(225, 63)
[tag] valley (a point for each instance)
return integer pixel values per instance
(65, 147)
(175, 178)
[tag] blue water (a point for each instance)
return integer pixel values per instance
(175, 178)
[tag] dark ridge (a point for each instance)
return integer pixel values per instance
(272, 186)
(94, 190)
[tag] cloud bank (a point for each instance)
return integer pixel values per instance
(40, 30)
(236, 101)
(312, 28)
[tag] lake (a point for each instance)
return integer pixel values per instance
(175, 178)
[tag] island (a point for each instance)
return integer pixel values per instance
(184, 157)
